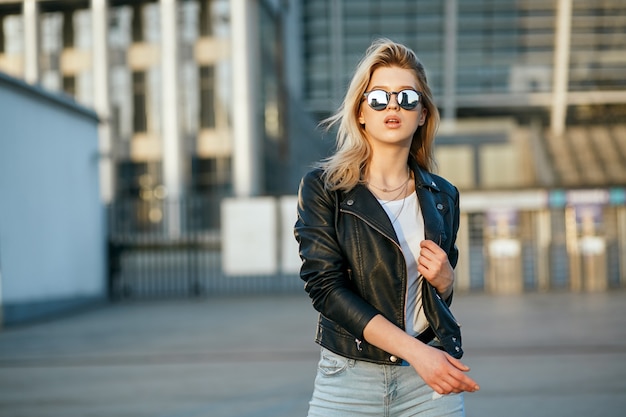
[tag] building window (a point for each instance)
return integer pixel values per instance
(212, 174)
(69, 85)
(1, 34)
(137, 23)
(206, 18)
(139, 102)
(207, 97)
(68, 29)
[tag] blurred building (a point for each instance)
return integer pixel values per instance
(179, 85)
(213, 96)
(532, 93)
(204, 99)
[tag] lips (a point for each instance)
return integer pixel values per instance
(392, 120)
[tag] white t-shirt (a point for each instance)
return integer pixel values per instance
(408, 222)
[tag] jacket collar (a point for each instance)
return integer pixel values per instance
(361, 202)
(422, 178)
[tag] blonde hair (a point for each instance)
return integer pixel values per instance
(343, 169)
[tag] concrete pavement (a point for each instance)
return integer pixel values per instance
(534, 355)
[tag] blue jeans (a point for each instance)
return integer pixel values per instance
(347, 387)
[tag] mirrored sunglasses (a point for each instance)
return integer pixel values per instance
(379, 99)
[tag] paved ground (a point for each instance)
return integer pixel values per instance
(534, 355)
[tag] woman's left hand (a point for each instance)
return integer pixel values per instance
(434, 265)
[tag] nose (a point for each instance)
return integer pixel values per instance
(393, 100)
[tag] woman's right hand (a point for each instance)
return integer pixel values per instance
(442, 372)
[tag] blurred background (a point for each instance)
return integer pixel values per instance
(154, 148)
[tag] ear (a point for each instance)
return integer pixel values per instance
(423, 115)
(361, 118)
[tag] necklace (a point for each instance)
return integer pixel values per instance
(388, 208)
(404, 197)
(391, 190)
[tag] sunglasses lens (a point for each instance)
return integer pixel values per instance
(408, 99)
(377, 99)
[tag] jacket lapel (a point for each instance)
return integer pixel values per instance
(362, 203)
(427, 195)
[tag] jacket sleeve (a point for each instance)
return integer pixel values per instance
(324, 269)
(453, 252)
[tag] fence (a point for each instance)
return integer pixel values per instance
(510, 242)
(541, 240)
(151, 257)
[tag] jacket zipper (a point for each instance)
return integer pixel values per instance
(357, 341)
(372, 226)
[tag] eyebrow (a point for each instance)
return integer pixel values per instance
(386, 88)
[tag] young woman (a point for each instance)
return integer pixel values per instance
(377, 235)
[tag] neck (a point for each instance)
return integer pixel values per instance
(390, 185)
(389, 168)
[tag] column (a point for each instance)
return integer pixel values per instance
(247, 154)
(31, 41)
(449, 62)
(172, 147)
(621, 243)
(100, 62)
(543, 236)
(337, 53)
(294, 67)
(561, 66)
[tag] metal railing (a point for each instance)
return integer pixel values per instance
(147, 260)
(504, 249)
(538, 240)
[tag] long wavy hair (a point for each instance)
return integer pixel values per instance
(345, 168)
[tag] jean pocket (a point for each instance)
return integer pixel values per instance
(332, 364)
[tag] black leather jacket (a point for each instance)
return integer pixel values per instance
(354, 269)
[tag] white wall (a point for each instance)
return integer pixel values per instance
(52, 223)
(257, 236)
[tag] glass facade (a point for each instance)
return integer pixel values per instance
(521, 100)
(598, 51)
(505, 46)
(64, 44)
(336, 33)
(502, 46)
(484, 58)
